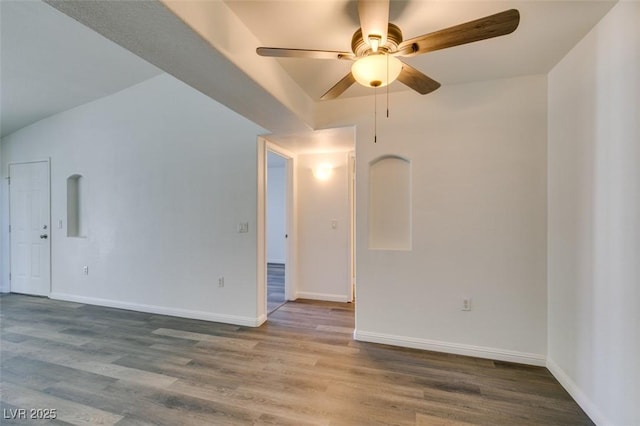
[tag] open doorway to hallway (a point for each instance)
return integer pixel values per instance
(320, 194)
(276, 230)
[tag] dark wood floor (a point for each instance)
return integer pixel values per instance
(106, 366)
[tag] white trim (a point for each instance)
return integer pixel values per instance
(261, 227)
(351, 176)
(323, 296)
(452, 348)
(273, 147)
(291, 214)
(577, 394)
(161, 310)
(261, 320)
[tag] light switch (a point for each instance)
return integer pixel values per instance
(334, 224)
(466, 304)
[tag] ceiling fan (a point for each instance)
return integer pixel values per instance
(377, 45)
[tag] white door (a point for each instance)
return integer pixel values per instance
(29, 206)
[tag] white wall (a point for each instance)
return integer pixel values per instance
(594, 219)
(276, 212)
(170, 174)
(478, 161)
(323, 252)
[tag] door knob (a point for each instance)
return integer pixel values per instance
(44, 236)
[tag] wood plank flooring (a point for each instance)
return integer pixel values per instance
(275, 286)
(99, 365)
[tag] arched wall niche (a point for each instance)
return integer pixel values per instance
(390, 203)
(76, 206)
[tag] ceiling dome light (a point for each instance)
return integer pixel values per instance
(376, 70)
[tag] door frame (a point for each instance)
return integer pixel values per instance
(48, 162)
(351, 160)
(290, 284)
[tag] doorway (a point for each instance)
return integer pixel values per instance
(277, 234)
(320, 260)
(29, 228)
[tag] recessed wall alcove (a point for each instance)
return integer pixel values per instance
(390, 203)
(76, 206)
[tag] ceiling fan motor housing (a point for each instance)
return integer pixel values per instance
(361, 47)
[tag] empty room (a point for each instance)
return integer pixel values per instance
(339, 212)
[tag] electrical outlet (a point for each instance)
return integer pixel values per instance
(243, 227)
(466, 304)
(85, 270)
(221, 281)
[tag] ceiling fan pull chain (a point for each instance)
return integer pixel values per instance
(388, 84)
(375, 114)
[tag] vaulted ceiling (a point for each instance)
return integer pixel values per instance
(51, 62)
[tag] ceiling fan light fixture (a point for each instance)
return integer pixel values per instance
(376, 70)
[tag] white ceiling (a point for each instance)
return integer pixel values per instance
(51, 63)
(548, 30)
(339, 139)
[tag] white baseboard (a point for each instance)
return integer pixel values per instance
(161, 310)
(322, 296)
(451, 348)
(576, 393)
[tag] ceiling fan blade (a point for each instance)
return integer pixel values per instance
(339, 88)
(303, 53)
(417, 80)
(374, 19)
(490, 26)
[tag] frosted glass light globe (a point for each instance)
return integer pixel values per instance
(371, 71)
